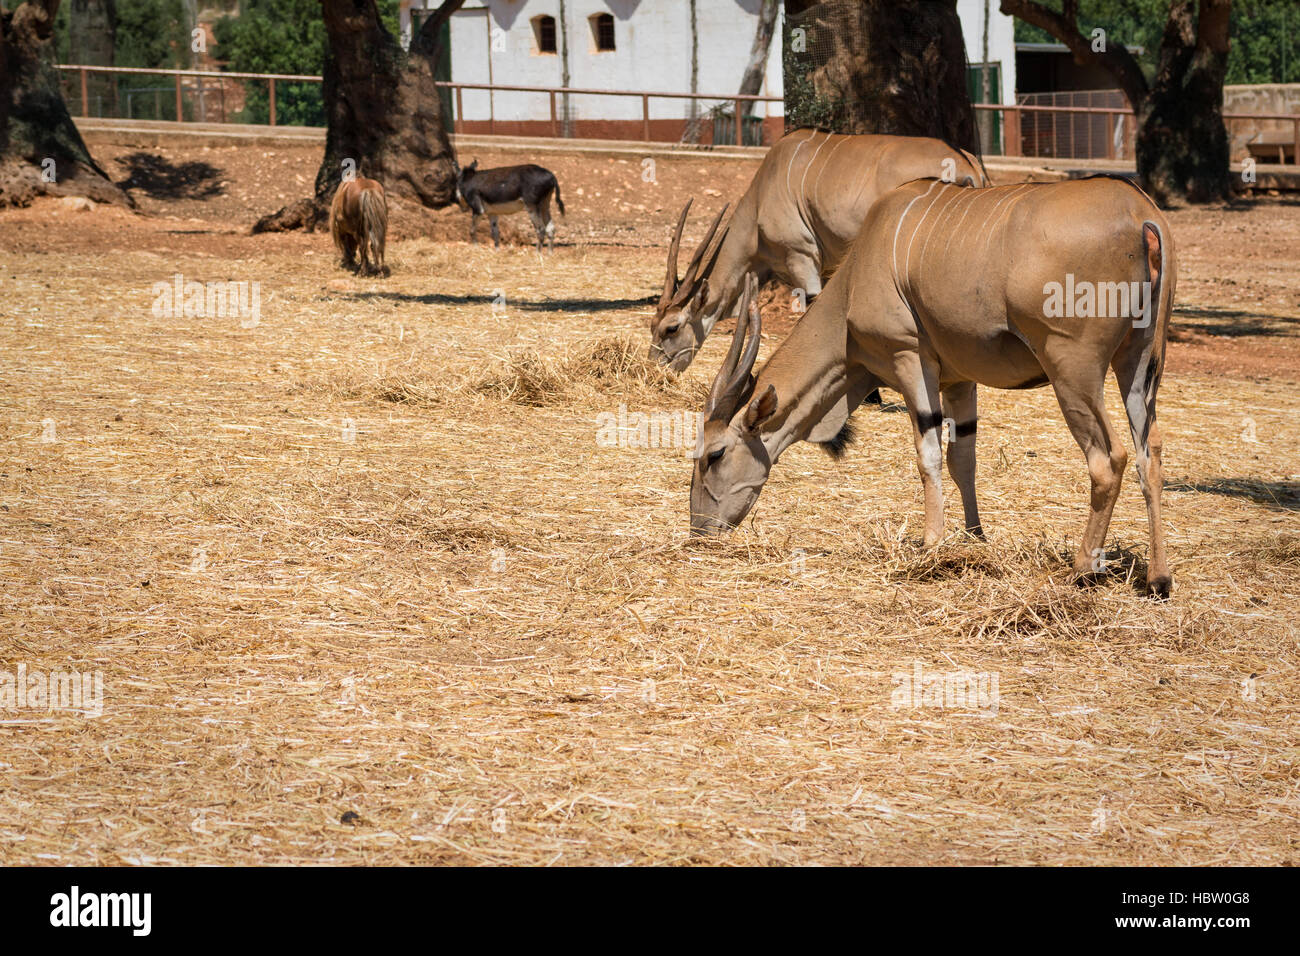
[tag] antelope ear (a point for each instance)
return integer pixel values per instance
(760, 409)
(702, 295)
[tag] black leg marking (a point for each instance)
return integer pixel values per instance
(965, 429)
(925, 423)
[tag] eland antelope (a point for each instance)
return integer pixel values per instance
(946, 288)
(796, 221)
(507, 189)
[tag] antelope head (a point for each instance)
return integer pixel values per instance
(677, 330)
(731, 462)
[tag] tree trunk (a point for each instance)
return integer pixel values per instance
(1182, 143)
(384, 115)
(751, 82)
(41, 150)
(878, 66)
(693, 123)
(92, 29)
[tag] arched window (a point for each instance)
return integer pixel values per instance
(544, 33)
(602, 31)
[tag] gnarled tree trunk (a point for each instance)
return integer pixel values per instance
(41, 151)
(385, 118)
(1182, 144)
(878, 66)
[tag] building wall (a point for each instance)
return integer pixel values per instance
(1002, 42)
(1264, 98)
(494, 41)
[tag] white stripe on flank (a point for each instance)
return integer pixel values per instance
(1009, 190)
(975, 192)
(790, 168)
(804, 181)
(826, 165)
(941, 215)
(907, 266)
(899, 228)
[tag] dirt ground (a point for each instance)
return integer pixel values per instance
(365, 583)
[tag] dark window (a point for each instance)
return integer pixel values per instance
(544, 31)
(602, 30)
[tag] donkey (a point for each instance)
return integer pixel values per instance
(359, 221)
(507, 189)
(796, 220)
(1011, 287)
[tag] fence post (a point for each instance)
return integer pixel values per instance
(460, 109)
(645, 117)
(272, 101)
(1296, 139)
(740, 126)
(1011, 122)
(180, 110)
(85, 97)
(555, 123)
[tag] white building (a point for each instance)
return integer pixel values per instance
(630, 45)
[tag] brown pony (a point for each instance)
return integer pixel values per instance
(359, 220)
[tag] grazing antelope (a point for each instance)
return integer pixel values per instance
(796, 221)
(359, 221)
(1011, 287)
(499, 192)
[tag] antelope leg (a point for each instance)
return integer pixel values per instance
(960, 413)
(1081, 401)
(1147, 445)
(919, 383)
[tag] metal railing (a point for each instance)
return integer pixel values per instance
(1026, 130)
(195, 80)
(197, 76)
(1016, 137)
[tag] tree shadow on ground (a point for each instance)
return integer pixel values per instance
(542, 305)
(160, 179)
(1232, 323)
(1280, 495)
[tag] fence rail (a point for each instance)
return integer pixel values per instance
(1025, 129)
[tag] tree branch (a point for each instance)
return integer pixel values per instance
(1117, 60)
(425, 42)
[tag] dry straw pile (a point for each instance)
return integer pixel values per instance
(364, 587)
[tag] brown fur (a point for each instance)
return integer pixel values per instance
(359, 222)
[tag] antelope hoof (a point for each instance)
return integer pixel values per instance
(1161, 587)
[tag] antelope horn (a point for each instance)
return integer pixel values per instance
(670, 282)
(734, 374)
(693, 271)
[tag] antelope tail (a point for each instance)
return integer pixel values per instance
(1160, 265)
(374, 219)
(558, 201)
(1148, 339)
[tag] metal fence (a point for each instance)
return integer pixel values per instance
(1044, 130)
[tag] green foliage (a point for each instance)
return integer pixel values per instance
(803, 107)
(150, 33)
(1264, 46)
(276, 36)
(283, 36)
